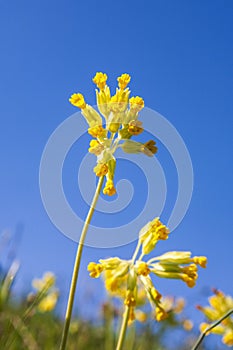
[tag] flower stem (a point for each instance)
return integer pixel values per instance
(136, 252)
(77, 265)
(123, 329)
(213, 325)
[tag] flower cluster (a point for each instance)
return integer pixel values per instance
(46, 294)
(113, 125)
(220, 304)
(123, 278)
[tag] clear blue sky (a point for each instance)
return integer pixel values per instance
(180, 56)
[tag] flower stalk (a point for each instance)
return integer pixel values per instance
(73, 284)
(208, 329)
(123, 328)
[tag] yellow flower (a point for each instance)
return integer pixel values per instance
(150, 228)
(160, 314)
(151, 234)
(200, 260)
(97, 131)
(142, 268)
(94, 269)
(100, 80)
(109, 188)
(101, 169)
(46, 282)
(124, 278)
(95, 147)
(228, 338)
(162, 232)
(123, 81)
(149, 148)
(77, 100)
(113, 284)
(136, 103)
(48, 303)
(135, 127)
(189, 275)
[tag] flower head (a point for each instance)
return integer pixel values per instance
(220, 304)
(125, 278)
(112, 125)
(46, 294)
(49, 302)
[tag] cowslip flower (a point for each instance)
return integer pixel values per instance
(124, 278)
(113, 125)
(219, 305)
(46, 295)
(46, 282)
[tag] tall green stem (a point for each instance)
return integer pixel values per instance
(77, 265)
(123, 328)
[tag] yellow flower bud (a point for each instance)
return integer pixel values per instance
(200, 260)
(123, 81)
(100, 80)
(149, 148)
(100, 169)
(94, 269)
(135, 127)
(97, 131)
(48, 303)
(228, 338)
(142, 268)
(77, 100)
(113, 127)
(95, 147)
(136, 103)
(109, 188)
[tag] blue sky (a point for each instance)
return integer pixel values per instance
(180, 56)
